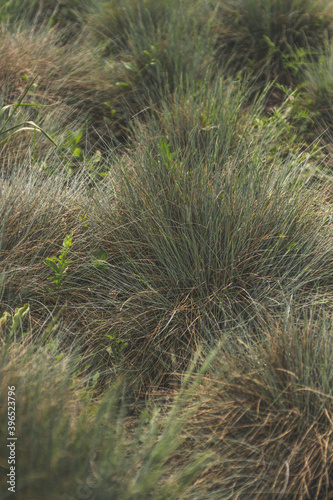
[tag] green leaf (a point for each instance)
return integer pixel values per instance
(20, 313)
(68, 241)
(130, 66)
(101, 255)
(51, 264)
(54, 279)
(109, 336)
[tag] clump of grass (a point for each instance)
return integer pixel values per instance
(70, 81)
(11, 124)
(274, 37)
(208, 122)
(318, 89)
(36, 214)
(71, 443)
(50, 13)
(192, 247)
(267, 410)
(115, 22)
(155, 47)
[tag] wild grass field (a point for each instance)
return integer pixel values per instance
(166, 249)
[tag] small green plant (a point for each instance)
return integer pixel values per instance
(60, 264)
(71, 143)
(117, 346)
(5, 318)
(99, 259)
(15, 322)
(166, 154)
(83, 218)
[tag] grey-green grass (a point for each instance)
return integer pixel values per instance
(210, 225)
(50, 13)
(154, 47)
(71, 442)
(196, 242)
(318, 90)
(266, 409)
(266, 34)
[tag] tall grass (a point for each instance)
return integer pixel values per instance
(71, 444)
(193, 245)
(36, 214)
(50, 13)
(154, 47)
(266, 408)
(318, 88)
(70, 81)
(182, 209)
(275, 37)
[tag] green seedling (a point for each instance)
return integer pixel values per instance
(122, 84)
(130, 66)
(99, 259)
(71, 143)
(4, 321)
(16, 321)
(84, 219)
(95, 165)
(60, 264)
(19, 315)
(117, 346)
(166, 154)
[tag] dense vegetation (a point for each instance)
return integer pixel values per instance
(166, 265)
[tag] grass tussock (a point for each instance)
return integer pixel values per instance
(35, 220)
(266, 408)
(274, 37)
(50, 13)
(318, 87)
(189, 248)
(72, 83)
(73, 443)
